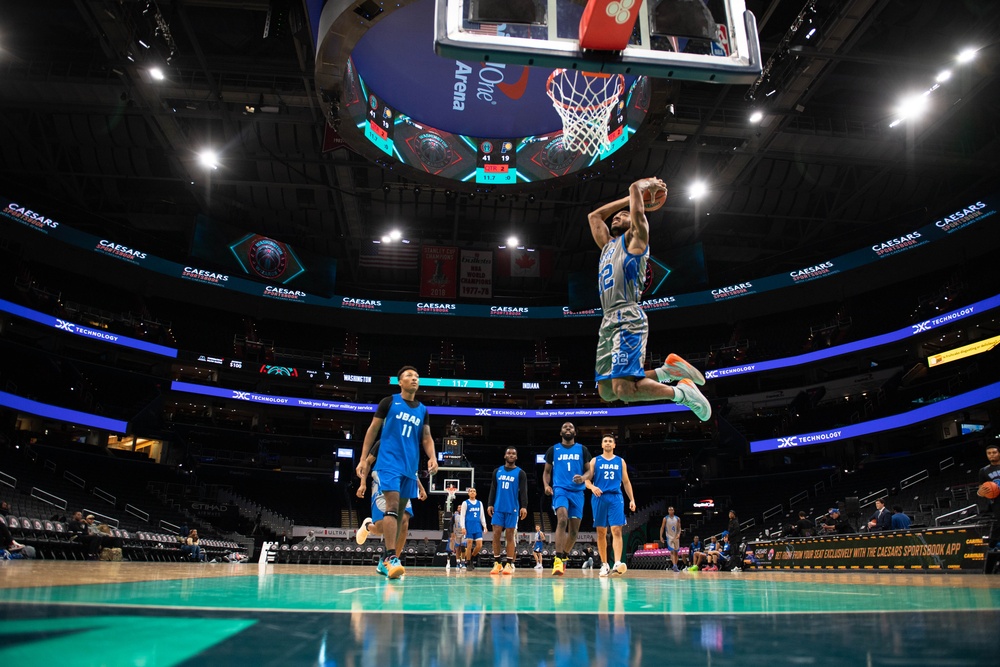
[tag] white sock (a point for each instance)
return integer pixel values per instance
(678, 394)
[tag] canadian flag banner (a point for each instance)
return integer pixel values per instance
(525, 264)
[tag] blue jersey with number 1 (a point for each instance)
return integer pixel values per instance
(402, 432)
(567, 462)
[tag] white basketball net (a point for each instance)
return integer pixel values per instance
(584, 101)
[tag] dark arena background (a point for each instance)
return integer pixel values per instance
(225, 225)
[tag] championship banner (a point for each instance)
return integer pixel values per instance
(929, 549)
(476, 274)
(437, 272)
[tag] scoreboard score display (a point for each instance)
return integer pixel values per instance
(496, 162)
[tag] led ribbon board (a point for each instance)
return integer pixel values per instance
(938, 409)
(22, 404)
(86, 332)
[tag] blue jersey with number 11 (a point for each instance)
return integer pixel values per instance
(402, 432)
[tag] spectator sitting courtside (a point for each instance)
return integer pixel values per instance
(899, 520)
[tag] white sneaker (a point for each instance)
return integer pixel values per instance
(675, 368)
(619, 569)
(605, 569)
(363, 530)
(690, 397)
(538, 566)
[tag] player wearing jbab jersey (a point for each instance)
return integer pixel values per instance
(372, 525)
(565, 463)
(621, 345)
(605, 477)
(403, 423)
(508, 504)
(473, 520)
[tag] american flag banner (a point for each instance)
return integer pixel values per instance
(390, 255)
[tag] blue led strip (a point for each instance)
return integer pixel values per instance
(62, 414)
(86, 332)
(342, 406)
(858, 345)
(938, 409)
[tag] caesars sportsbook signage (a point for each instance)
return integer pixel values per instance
(36, 217)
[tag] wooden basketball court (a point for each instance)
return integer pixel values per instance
(97, 613)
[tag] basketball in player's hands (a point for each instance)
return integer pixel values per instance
(653, 198)
(989, 490)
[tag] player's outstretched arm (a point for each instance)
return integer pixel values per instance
(598, 228)
(370, 436)
(639, 232)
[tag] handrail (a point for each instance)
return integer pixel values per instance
(872, 497)
(136, 512)
(8, 480)
(962, 510)
(944, 464)
(797, 498)
(49, 498)
(49, 465)
(819, 487)
(911, 480)
(75, 479)
(777, 509)
(104, 495)
(173, 528)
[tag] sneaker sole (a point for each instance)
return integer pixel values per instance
(687, 370)
(691, 389)
(396, 572)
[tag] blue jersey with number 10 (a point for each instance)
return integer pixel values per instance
(608, 474)
(508, 483)
(402, 432)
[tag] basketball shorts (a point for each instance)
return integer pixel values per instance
(673, 542)
(608, 509)
(621, 343)
(539, 547)
(405, 486)
(378, 508)
(505, 519)
(472, 535)
(571, 500)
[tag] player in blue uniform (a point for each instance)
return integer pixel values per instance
(508, 504)
(621, 345)
(473, 520)
(565, 464)
(539, 547)
(372, 525)
(605, 477)
(403, 423)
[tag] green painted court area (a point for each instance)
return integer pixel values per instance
(528, 592)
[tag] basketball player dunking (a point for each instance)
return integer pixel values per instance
(621, 345)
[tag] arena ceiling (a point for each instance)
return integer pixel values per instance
(85, 129)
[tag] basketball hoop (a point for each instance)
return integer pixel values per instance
(584, 101)
(451, 491)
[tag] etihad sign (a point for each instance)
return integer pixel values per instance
(31, 218)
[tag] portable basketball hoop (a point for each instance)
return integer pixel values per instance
(584, 101)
